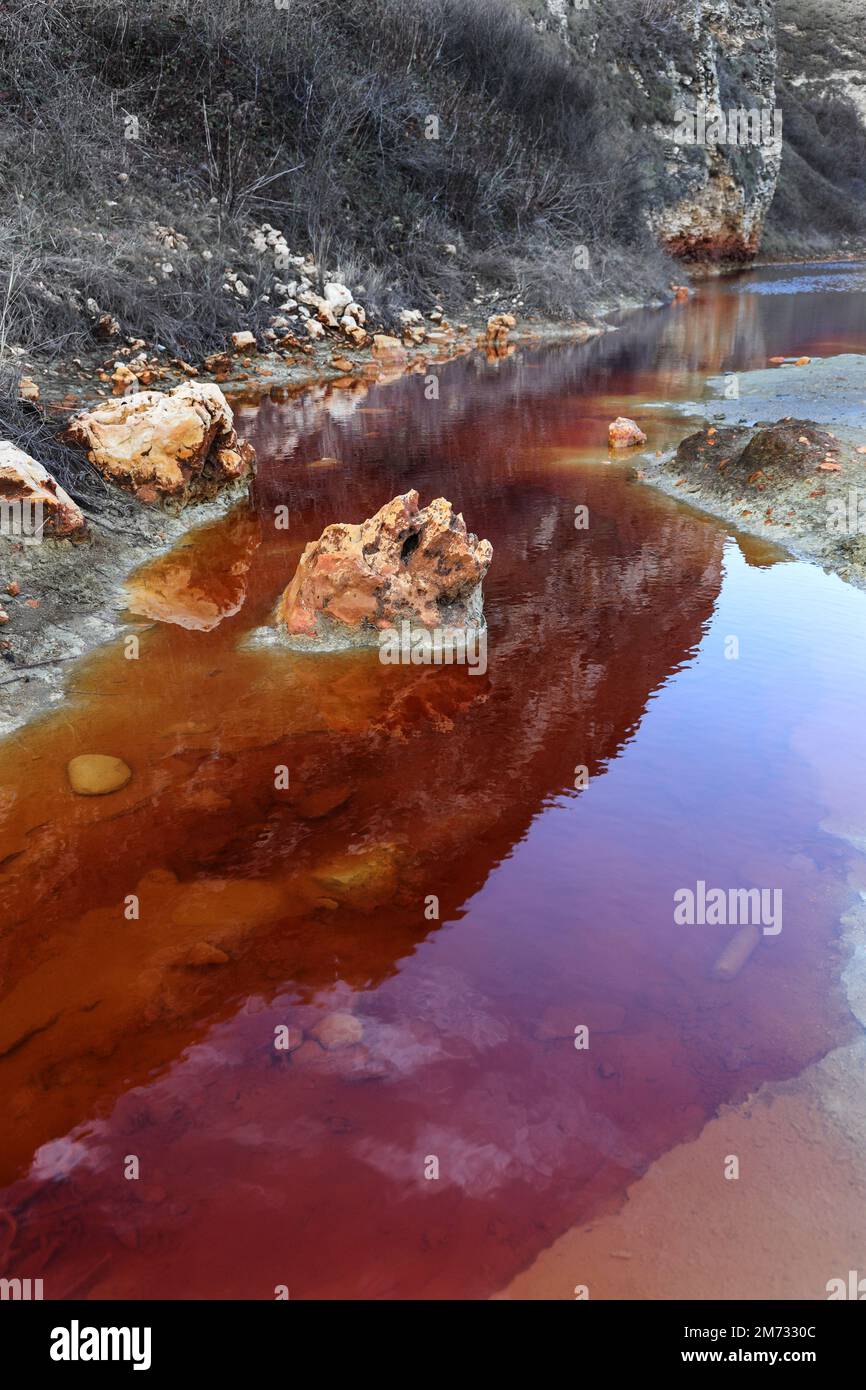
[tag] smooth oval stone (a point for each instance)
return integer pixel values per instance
(96, 774)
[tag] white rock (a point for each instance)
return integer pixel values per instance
(338, 296)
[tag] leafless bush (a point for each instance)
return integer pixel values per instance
(315, 118)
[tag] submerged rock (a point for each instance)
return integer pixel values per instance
(45, 509)
(421, 565)
(97, 774)
(338, 1030)
(165, 444)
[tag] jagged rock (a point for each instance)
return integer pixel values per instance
(174, 444)
(623, 433)
(45, 509)
(28, 390)
(243, 340)
(403, 563)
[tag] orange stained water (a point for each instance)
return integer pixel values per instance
(154, 941)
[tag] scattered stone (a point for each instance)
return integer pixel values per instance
(28, 389)
(404, 562)
(761, 459)
(243, 340)
(43, 503)
(338, 296)
(219, 363)
(386, 346)
(123, 379)
(97, 774)
(105, 327)
(623, 433)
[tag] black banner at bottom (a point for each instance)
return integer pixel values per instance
(66, 1339)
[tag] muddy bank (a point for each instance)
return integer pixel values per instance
(801, 485)
(71, 595)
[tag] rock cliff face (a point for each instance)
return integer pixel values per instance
(709, 199)
(723, 191)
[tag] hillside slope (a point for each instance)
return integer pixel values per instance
(820, 203)
(176, 166)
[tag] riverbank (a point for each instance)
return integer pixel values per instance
(70, 596)
(817, 511)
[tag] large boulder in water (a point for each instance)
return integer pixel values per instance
(404, 563)
(175, 444)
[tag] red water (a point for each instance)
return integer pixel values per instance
(606, 650)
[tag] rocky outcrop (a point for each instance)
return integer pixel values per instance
(720, 190)
(32, 502)
(709, 197)
(404, 563)
(178, 444)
